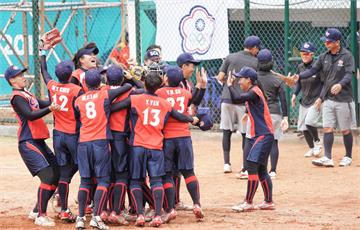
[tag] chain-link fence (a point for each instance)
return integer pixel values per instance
(282, 26)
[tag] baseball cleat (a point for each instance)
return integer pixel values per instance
(309, 153)
(67, 216)
(44, 221)
(323, 161)
(117, 219)
(140, 221)
(266, 206)
(156, 222)
(104, 216)
(80, 222)
(272, 174)
(198, 212)
(97, 223)
(56, 202)
(243, 207)
(243, 175)
(32, 215)
(168, 216)
(346, 161)
(227, 168)
(149, 214)
(183, 207)
(317, 149)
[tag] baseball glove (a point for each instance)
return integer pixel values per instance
(137, 72)
(50, 39)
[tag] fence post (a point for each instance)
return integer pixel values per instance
(354, 50)
(247, 26)
(35, 22)
(287, 51)
(137, 31)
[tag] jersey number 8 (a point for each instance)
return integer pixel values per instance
(90, 110)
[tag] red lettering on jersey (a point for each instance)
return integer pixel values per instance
(179, 99)
(64, 95)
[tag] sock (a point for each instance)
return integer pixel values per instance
(243, 140)
(63, 189)
(136, 195)
(100, 199)
(192, 186)
(83, 198)
(44, 194)
(35, 209)
(266, 185)
(169, 194)
(226, 144)
(328, 143)
(119, 197)
(157, 190)
(348, 142)
(147, 195)
(109, 204)
(177, 180)
(253, 182)
(313, 132)
(309, 139)
(132, 208)
(274, 156)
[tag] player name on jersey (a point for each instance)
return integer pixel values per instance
(150, 102)
(173, 92)
(60, 89)
(89, 96)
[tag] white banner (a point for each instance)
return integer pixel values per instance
(199, 27)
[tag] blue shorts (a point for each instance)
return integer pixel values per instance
(260, 150)
(178, 154)
(119, 152)
(142, 160)
(94, 159)
(65, 147)
(36, 155)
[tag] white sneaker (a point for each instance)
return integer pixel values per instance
(33, 215)
(272, 174)
(97, 223)
(243, 207)
(317, 148)
(243, 175)
(44, 221)
(227, 168)
(80, 222)
(323, 161)
(346, 161)
(309, 153)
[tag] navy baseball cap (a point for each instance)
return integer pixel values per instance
(264, 56)
(63, 70)
(87, 51)
(13, 71)
(153, 55)
(308, 47)
(205, 122)
(331, 35)
(246, 72)
(174, 75)
(92, 78)
(114, 74)
(186, 58)
(252, 41)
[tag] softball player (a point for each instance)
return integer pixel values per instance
(32, 134)
(337, 65)
(66, 129)
(262, 137)
(274, 90)
(93, 153)
(309, 115)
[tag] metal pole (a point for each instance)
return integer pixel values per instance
(247, 25)
(287, 51)
(35, 20)
(42, 31)
(354, 50)
(26, 39)
(138, 32)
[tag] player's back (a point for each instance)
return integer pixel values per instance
(94, 109)
(179, 99)
(64, 95)
(148, 115)
(79, 74)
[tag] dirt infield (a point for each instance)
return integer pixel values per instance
(306, 197)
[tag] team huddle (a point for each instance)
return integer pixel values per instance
(128, 133)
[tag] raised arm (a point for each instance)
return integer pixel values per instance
(44, 72)
(114, 93)
(181, 117)
(22, 107)
(124, 104)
